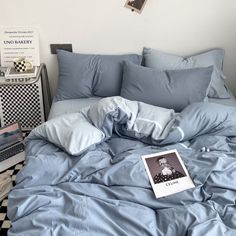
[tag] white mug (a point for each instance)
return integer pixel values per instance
(22, 64)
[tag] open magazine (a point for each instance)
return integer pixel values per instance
(167, 173)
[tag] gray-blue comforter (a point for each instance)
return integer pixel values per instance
(84, 174)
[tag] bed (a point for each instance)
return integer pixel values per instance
(84, 174)
(74, 105)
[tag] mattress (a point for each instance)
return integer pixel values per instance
(74, 105)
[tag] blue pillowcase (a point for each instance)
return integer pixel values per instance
(85, 75)
(164, 61)
(173, 89)
(203, 118)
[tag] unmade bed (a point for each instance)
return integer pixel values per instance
(84, 173)
(74, 105)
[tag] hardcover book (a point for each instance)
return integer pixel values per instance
(12, 73)
(167, 173)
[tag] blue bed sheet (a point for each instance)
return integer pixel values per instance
(103, 189)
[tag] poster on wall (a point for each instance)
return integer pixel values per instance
(17, 42)
(135, 5)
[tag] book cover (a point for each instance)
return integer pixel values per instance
(167, 173)
(12, 73)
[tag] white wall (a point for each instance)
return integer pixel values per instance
(105, 26)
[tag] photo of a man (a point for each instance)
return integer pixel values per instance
(167, 173)
(165, 168)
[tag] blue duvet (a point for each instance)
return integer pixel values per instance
(84, 174)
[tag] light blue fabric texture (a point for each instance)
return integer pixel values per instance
(63, 107)
(141, 121)
(59, 108)
(75, 76)
(164, 61)
(200, 118)
(173, 89)
(72, 132)
(85, 75)
(106, 191)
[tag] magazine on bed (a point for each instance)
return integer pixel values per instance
(167, 173)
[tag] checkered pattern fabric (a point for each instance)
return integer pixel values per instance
(4, 221)
(20, 66)
(23, 101)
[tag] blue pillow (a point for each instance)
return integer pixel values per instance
(173, 89)
(85, 75)
(165, 61)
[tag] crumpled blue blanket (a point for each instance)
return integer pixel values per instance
(84, 173)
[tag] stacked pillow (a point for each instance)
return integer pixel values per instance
(165, 61)
(165, 80)
(173, 89)
(86, 75)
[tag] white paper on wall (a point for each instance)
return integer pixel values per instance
(18, 42)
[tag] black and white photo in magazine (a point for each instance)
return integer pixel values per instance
(167, 173)
(165, 167)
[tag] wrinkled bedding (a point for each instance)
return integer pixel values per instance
(84, 174)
